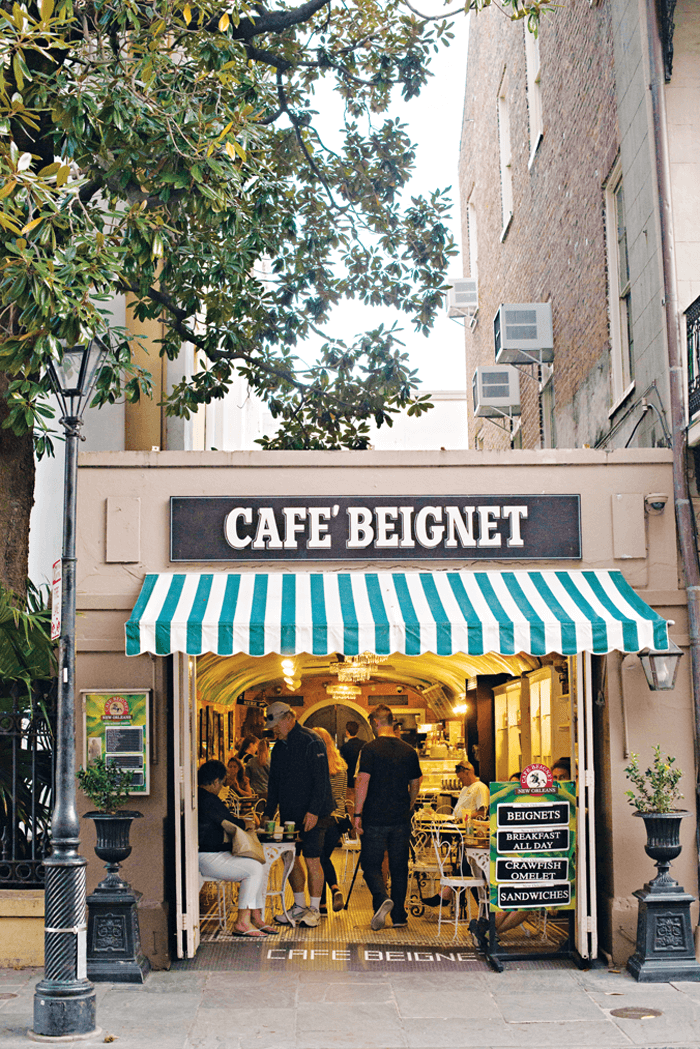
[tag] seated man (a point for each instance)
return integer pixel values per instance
(214, 822)
(473, 801)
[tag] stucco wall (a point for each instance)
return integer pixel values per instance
(107, 592)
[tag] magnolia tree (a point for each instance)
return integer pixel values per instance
(170, 151)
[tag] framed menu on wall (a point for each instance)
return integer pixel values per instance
(117, 726)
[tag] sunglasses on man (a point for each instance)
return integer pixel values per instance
(461, 768)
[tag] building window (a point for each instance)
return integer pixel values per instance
(619, 286)
(534, 91)
(505, 157)
(472, 238)
(692, 322)
(548, 433)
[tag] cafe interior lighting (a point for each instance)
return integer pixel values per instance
(357, 668)
(460, 708)
(343, 691)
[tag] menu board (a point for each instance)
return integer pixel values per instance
(533, 846)
(117, 726)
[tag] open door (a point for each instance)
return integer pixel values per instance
(581, 672)
(185, 789)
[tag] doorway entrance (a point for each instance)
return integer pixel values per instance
(334, 717)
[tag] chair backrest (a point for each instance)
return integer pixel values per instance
(442, 847)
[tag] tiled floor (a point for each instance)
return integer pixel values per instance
(353, 925)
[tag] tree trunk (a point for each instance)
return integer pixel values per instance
(16, 500)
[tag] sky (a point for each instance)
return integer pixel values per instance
(434, 122)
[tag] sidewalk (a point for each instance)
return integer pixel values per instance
(526, 1006)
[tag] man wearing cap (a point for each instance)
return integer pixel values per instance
(300, 785)
(474, 797)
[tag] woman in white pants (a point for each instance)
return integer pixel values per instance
(216, 863)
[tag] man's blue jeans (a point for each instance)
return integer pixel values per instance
(376, 840)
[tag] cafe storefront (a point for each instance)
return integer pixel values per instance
(517, 588)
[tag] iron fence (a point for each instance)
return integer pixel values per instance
(26, 784)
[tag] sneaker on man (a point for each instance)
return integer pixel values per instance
(310, 918)
(380, 915)
(338, 901)
(400, 924)
(295, 913)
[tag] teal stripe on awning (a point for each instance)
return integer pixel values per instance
(194, 622)
(133, 633)
(164, 620)
(382, 645)
(228, 615)
(442, 620)
(475, 631)
(506, 628)
(257, 617)
(288, 625)
(408, 612)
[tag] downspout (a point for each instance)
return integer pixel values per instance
(685, 518)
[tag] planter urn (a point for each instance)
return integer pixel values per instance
(665, 948)
(113, 939)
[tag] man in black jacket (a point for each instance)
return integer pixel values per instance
(300, 785)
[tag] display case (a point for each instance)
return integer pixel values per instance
(532, 721)
(439, 775)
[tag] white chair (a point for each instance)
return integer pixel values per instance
(444, 849)
(422, 868)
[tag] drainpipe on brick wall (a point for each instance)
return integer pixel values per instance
(685, 517)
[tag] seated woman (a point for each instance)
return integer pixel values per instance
(214, 822)
(258, 768)
(247, 749)
(239, 794)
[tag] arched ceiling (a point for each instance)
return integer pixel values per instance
(220, 679)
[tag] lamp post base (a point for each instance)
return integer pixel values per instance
(62, 1013)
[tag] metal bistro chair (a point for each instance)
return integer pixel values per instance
(443, 840)
(422, 868)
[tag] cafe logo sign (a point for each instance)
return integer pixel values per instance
(117, 709)
(334, 528)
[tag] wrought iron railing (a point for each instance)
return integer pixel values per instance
(692, 320)
(26, 785)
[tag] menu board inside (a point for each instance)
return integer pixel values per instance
(533, 847)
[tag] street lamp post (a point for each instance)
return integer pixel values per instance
(64, 1001)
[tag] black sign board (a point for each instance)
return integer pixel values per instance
(555, 895)
(518, 868)
(533, 839)
(392, 528)
(524, 815)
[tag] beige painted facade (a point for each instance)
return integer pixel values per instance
(123, 517)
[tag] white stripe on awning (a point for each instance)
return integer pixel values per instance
(384, 612)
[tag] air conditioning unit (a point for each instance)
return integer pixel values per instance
(462, 297)
(496, 391)
(523, 333)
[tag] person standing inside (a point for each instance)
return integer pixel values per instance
(349, 753)
(338, 772)
(300, 786)
(258, 769)
(386, 788)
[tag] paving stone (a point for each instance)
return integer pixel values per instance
(446, 1003)
(546, 1006)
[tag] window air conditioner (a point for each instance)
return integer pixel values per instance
(462, 297)
(496, 391)
(523, 333)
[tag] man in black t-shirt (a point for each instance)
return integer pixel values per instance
(386, 788)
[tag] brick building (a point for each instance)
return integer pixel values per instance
(560, 205)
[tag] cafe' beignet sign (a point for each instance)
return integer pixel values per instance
(333, 528)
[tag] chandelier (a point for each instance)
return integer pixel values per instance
(359, 668)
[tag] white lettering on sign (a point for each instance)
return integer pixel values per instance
(238, 542)
(452, 527)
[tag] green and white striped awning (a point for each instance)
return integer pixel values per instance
(384, 612)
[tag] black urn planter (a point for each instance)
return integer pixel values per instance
(114, 942)
(665, 946)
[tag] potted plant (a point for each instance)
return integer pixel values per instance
(107, 786)
(654, 796)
